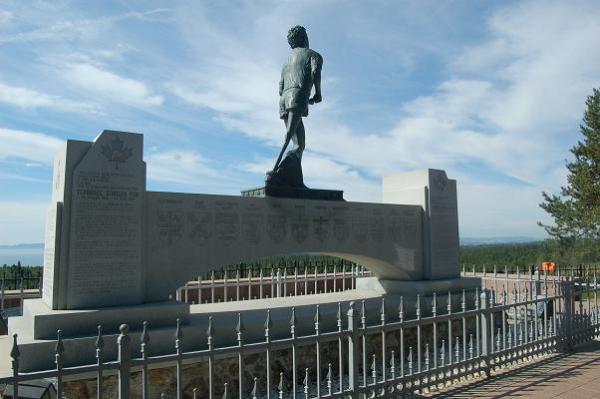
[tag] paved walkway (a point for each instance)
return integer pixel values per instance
(573, 376)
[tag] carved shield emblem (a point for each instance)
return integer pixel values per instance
(321, 226)
(170, 226)
(341, 225)
(252, 225)
(300, 228)
(200, 226)
(227, 226)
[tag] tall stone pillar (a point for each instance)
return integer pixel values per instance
(94, 237)
(436, 194)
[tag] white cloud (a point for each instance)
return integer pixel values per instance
(180, 166)
(111, 86)
(29, 146)
(26, 98)
(76, 28)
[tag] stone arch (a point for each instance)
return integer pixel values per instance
(189, 235)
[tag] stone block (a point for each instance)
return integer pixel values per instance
(436, 194)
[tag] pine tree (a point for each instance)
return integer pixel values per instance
(576, 211)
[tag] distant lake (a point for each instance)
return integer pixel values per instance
(30, 255)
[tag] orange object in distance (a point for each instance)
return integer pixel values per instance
(549, 267)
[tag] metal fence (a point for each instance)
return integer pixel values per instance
(245, 284)
(436, 342)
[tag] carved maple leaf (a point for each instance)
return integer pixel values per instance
(116, 152)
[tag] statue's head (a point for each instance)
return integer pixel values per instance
(297, 37)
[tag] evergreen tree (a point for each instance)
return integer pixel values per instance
(576, 211)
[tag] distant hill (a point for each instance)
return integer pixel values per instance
(38, 245)
(498, 240)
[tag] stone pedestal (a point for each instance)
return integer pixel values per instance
(294, 192)
(41, 322)
(410, 289)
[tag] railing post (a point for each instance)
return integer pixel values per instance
(15, 354)
(485, 332)
(210, 332)
(178, 350)
(278, 279)
(22, 296)
(352, 352)
(124, 358)
(568, 312)
(2, 298)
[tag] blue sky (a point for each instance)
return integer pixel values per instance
(492, 92)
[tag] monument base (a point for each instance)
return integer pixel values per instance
(294, 192)
(41, 322)
(419, 287)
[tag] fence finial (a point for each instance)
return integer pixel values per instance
(14, 352)
(418, 306)
(255, 389)
(210, 331)
(339, 316)
(363, 314)
(178, 330)
(225, 393)
(59, 348)
(145, 337)
(268, 324)
(293, 322)
(329, 379)
(434, 304)
(374, 368)
(239, 328)
(99, 339)
(449, 308)
(306, 382)
(317, 319)
(410, 359)
(382, 310)
(350, 309)
(463, 301)
(280, 385)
